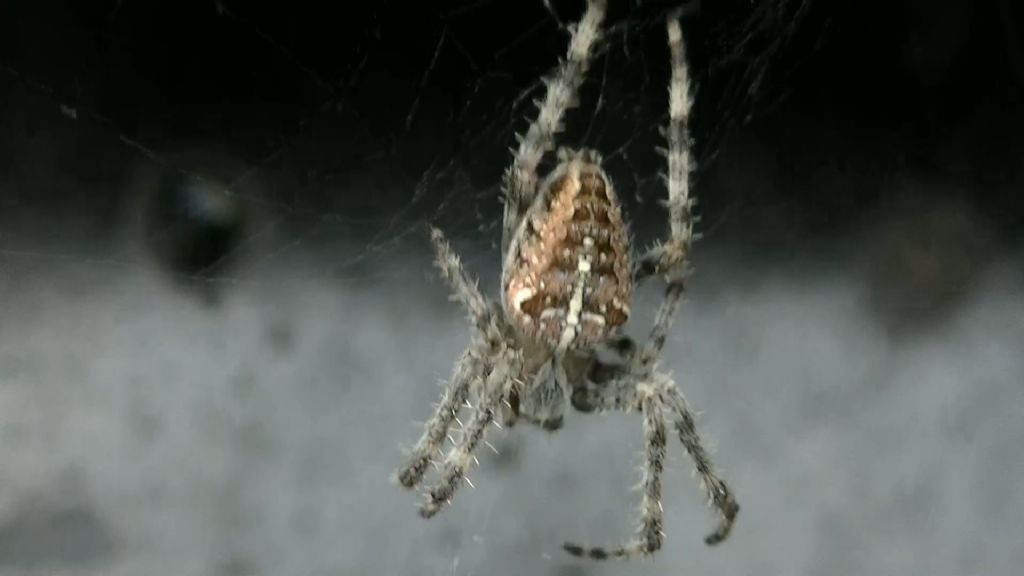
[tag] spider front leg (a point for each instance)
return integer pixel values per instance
(494, 390)
(649, 535)
(520, 184)
(670, 256)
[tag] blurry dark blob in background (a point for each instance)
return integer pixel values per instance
(927, 255)
(193, 226)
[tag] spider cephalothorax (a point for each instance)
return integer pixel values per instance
(567, 278)
(567, 285)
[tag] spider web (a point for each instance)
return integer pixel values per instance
(330, 168)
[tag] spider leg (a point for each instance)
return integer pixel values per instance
(719, 494)
(670, 255)
(649, 535)
(663, 320)
(465, 288)
(460, 456)
(621, 393)
(469, 368)
(669, 259)
(520, 184)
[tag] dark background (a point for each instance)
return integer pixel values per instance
(218, 320)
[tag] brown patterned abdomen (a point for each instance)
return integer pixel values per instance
(568, 279)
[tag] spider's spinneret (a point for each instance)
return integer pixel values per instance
(567, 280)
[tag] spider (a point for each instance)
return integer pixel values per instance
(555, 339)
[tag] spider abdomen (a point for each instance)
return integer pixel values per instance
(568, 279)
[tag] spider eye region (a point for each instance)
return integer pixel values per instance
(568, 281)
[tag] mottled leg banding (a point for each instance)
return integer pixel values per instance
(460, 456)
(464, 287)
(436, 429)
(469, 368)
(669, 259)
(663, 320)
(649, 535)
(670, 256)
(718, 492)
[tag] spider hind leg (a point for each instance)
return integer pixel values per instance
(718, 492)
(649, 534)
